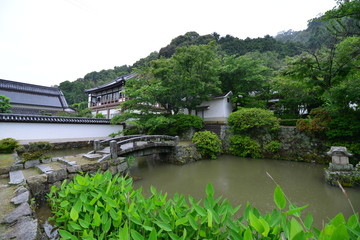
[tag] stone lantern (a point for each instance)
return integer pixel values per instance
(340, 159)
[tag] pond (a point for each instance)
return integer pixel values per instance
(242, 180)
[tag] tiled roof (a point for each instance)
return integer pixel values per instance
(9, 117)
(30, 94)
(113, 83)
(25, 87)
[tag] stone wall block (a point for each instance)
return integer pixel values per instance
(38, 185)
(16, 167)
(73, 169)
(113, 170)
(31, 163)
(57, 175)
(122, 167)
(90, 167)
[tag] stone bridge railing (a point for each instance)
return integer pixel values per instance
(126, 144)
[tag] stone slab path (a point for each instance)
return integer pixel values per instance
(16, 177)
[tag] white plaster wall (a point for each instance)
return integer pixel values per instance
(38, 131)
(219, 110)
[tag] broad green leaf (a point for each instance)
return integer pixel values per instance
(255, 223)
(209, 217)
(295, 228)
(279, 198)
(153, 190)
(295, 210)
(192, 222)
(164, 226)
(209, 190)
(106, 226)
(124, 232)
(84, 223)
(113, 214)
(74, 214)
(181, 221)
(65, 234)
(201, 211)
(353, 221)
(174, 236)
(153, 235)
(64, 203)
(265, 226)
(308, 221)
(136, 235)
(75, 225)
(97, 219)
(248, 234)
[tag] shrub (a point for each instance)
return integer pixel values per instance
(185, 122)
(36, 150)
(207, 143)
(272, 147)
(344, 126)
(244, 146)
(245, 120)
(158, 125)
(8, 145)
(316, 123)
(100, 115)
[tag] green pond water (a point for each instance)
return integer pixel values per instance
(243, 180)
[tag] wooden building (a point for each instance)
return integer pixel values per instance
(105, 99)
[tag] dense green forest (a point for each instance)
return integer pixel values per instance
(305, 70)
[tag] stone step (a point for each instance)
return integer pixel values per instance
(92, 157)
(104, 151)
(16, 177)
(44, 168)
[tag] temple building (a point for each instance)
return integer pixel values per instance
(105, 99)
(34, 99)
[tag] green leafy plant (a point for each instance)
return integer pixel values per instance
(8, 145)
(107, 207)
(244, 146)
(207, 143)
(245, 120)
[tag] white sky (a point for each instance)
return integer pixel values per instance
(46, 42)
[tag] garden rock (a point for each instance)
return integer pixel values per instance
(16, 177)
(57, 175)
(26, 228)
(22, 210)
(21, 198)
(31, 163)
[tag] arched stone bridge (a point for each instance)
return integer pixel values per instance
(138, 145)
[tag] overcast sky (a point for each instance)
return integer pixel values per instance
(46, 42)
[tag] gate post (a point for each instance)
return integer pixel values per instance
(113, 149)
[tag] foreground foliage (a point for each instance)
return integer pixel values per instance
(107, 207)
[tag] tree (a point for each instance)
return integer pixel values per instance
(244, 76)
(183, 81)
(4, 104)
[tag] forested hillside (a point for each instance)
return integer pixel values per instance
(228, 45)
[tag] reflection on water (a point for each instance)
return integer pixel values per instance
(245, 180)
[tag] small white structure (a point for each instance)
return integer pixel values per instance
(215, 110)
